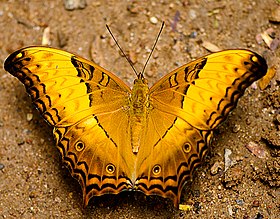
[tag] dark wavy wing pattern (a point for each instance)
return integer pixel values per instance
(177, 151)
(64, 86)
(204, 91)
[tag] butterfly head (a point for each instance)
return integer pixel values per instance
(140, 80)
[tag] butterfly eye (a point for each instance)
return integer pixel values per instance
(79, 146)
(110, 168)
(156, 169)
(187, 148)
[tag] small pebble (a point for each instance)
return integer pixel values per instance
(193, 34)
(57, 199)
(32, 210)
(228, 161)
(256, 149)
(39, 170)
(32, 194)
(256, 203)
(133, 56)
(20, 142)
(230, 212)
(74, 4)
(153, 20)
(27, 131)
(29, 117)
(236, 128)
(2, 166)
(239, 202)
(181, 214)
(192, 14)
(217, 167)
(29, 141)
(133, 8)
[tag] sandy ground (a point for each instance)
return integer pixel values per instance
(33, 181)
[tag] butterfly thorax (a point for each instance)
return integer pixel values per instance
(138, 111)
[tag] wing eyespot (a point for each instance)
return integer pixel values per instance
(187, 148)
(79, 146)
(156, 169)
(110, 168)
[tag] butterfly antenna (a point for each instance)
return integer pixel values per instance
(153, 48)
(129, 61)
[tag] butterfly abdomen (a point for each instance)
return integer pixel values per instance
(138, 112)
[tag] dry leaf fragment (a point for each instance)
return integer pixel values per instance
(210, 46)
(256, 149)
(46, 38)
(264, 82)
(270, 38)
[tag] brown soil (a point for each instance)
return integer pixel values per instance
(34, 183)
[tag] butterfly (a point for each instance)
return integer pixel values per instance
(114, 138)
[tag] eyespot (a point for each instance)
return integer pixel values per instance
(79, 146)
(110, 168)
(156, 169)
(187, 148)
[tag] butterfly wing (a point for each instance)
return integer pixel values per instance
(187, 105)
(85, 104)
(88, 108)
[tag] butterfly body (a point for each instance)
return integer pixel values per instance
(114, 138)
(139, 109)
